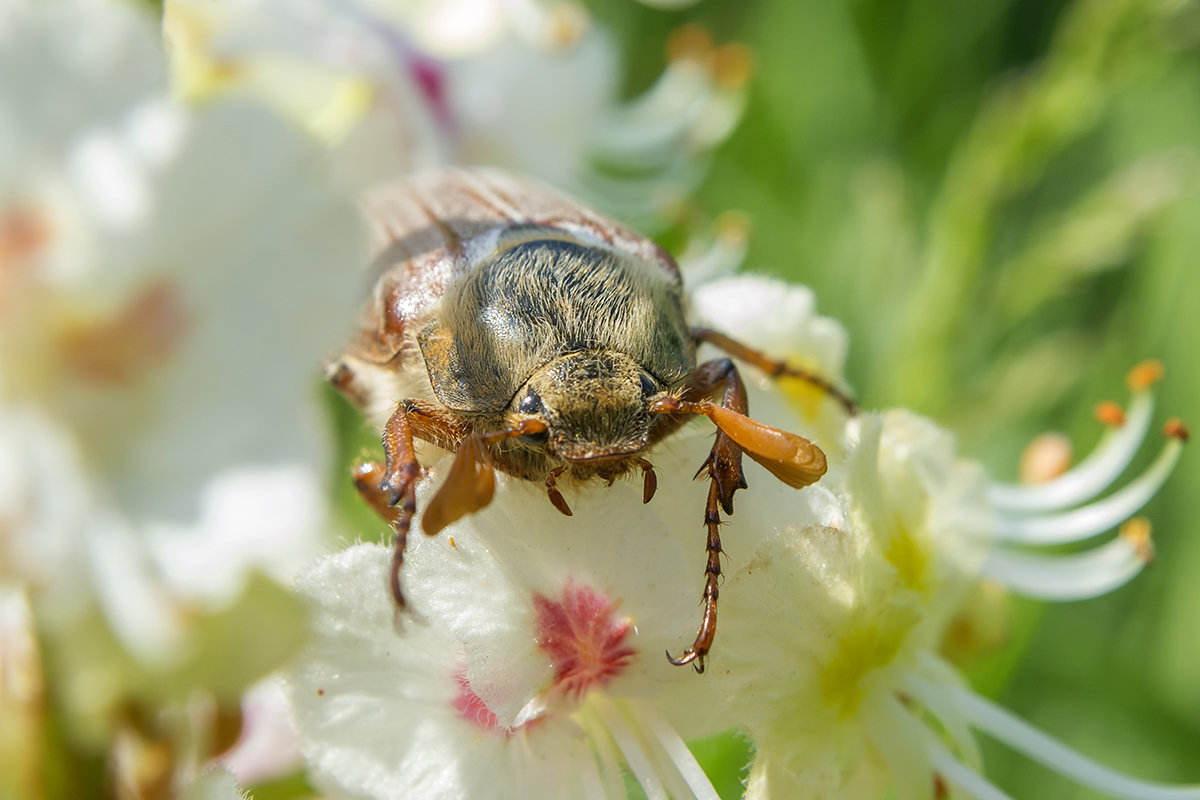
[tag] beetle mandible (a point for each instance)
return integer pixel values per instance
(526, 333)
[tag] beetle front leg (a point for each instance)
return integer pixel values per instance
(396, 488)
(391, 488)
(724, 467)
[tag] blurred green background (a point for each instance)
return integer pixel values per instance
(998, 199)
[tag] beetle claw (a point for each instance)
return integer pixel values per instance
(556, 498)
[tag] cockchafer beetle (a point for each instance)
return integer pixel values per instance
(526, 333)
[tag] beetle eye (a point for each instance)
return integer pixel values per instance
(649, 387)
(531, 404)
(539, 438)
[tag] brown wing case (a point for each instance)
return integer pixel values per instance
(425, 233)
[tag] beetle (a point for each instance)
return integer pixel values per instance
(524, 332)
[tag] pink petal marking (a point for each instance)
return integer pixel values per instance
(583, 638)
(470, 706)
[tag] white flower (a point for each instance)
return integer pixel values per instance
(842, 689)
(268, 747)
(399, 85)
(780, 320)
(533, 665)
(169, 281)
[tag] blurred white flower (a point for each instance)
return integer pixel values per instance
(398, 85)
(169, 281)
(268, 747)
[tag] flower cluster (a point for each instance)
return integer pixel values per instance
(179, 249)
(534, 663)
(397, 86)
(157, 267)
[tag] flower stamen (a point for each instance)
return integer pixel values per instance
(1089, 520)
(1145, 375)
(679, 754)
(1072, 577)
(635, 756)
(1045, 458)
(1110, 414)
(1018, 734)
(1101, 467)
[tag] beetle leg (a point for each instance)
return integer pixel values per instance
(791, 458)
(471, 481)
(649, 480)
(556, 497)
(724, 467)
(391, 488)
(394, 493)
(773, 367)
(469, 485)
(696, 654)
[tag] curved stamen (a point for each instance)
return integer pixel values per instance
(695, 103)
(679, 754)
(642, 196)
(1018, 734)
(722, 254)
(607, 758)
(593, 784)
(1073, 577)
(1101, 467)
(955, 772)
(942, 710)
(631, 749)
(1097, 517)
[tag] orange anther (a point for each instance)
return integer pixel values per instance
(734, 226)
(1045, 458)
(689, 41)
(1110, 414)
(566, 26)
(22, 233)
(732, 65)
(1175, 429)
(1145, 375)
(1136, 531)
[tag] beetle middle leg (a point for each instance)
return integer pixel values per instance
(773, 367)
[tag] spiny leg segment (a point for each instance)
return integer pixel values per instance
(391, 488)
(724, 467)
(793, 459)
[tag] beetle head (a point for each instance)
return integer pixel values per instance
(594, 404)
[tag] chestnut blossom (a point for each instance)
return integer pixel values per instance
(532, 664)
(529, 666)
(396, 86)
(847, 695)
(166, 279)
